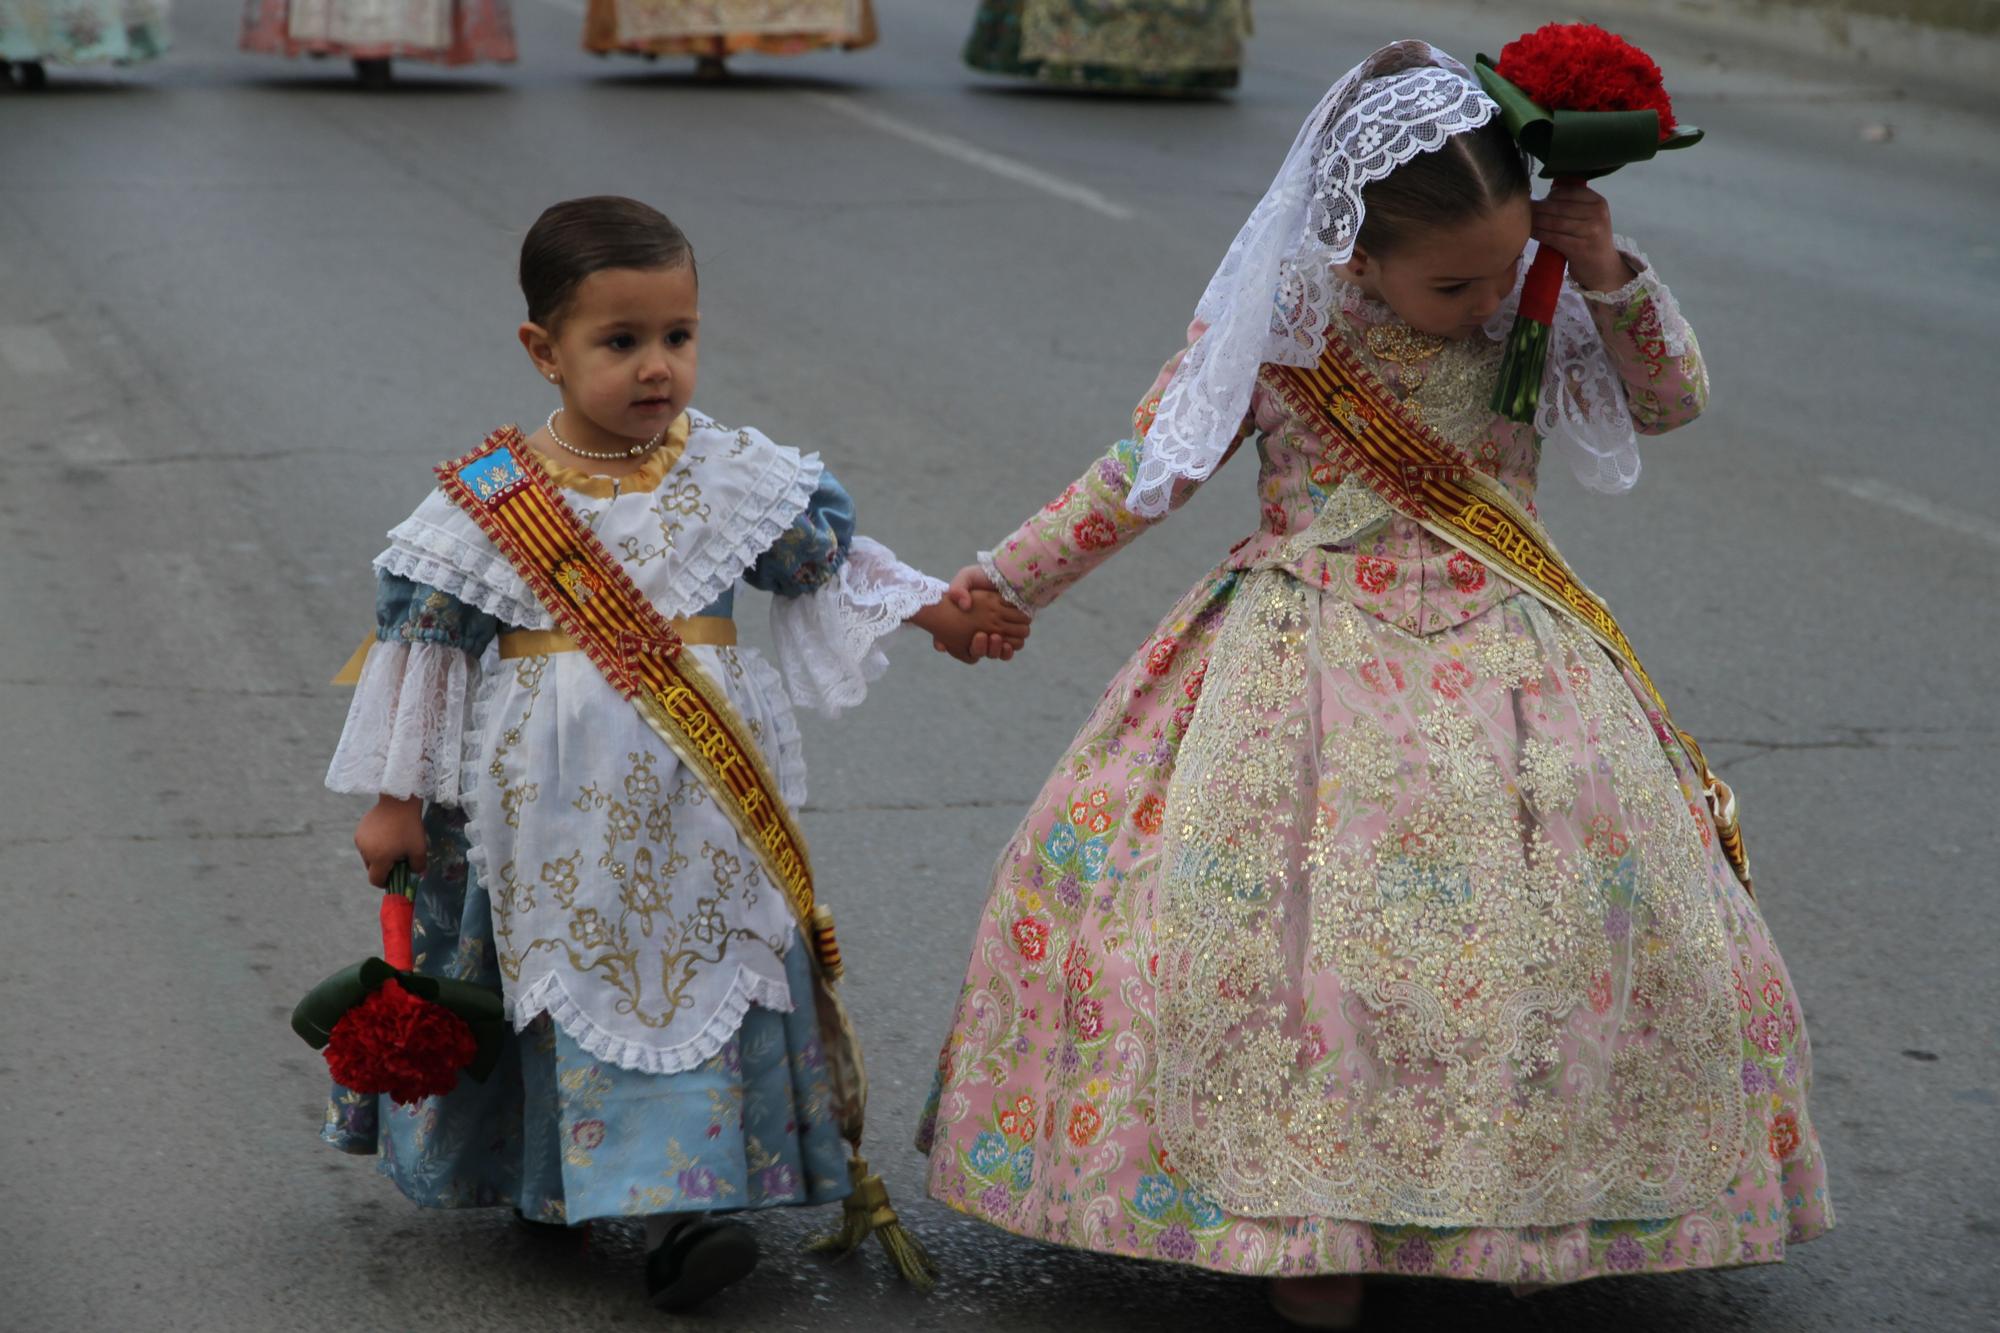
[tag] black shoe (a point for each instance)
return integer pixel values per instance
(697, 1261)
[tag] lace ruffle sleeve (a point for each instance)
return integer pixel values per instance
(837, 596)
(407, 721)
(440, 547)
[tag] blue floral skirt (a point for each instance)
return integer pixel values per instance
(564, 1136)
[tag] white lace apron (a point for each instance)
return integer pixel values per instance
(624, 903)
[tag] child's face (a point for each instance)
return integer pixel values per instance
(624, 351)
(1449, 281)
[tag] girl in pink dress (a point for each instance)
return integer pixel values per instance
(1374, 921)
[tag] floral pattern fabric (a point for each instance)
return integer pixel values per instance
(1663, 387)
(447, 32)
(1443, 1037)
(565, 1137)
(1159, 46)
(808, 555)
(410, 612)
(83, 32)
(718, 28)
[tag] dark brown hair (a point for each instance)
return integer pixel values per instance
(1468, 176)
(578, 237)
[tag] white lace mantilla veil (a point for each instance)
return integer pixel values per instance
(1272, 296)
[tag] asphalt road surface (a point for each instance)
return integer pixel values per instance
(244, 305)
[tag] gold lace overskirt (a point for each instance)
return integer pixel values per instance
(1440, 941)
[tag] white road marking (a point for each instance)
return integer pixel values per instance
(972, 155)
(1916, 506)
(32, 350)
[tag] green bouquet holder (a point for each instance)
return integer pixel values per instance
(1578, 145)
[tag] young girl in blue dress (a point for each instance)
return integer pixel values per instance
(664, 1060)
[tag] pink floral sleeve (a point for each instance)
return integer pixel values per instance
(1652, 348)
(1085, 525)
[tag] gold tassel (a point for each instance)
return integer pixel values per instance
(1721, 802)
(854, 1217)
(868, 1212)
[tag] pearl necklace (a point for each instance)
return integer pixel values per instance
(635, 451)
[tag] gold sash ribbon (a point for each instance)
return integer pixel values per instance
(718, 631)
(1426, 480)
(505, 490)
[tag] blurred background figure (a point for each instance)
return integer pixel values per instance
(35, 34)
(713, 30)
(371, 33)
(1168, 47)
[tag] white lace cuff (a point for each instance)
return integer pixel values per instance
(406, 724)
(1619, 296)
(826, 642)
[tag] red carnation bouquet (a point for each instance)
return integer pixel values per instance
(1584, 102)
(1581, 67)
(394, 1043)
(386, 1028)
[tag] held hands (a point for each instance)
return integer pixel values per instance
(973, 621)
(390, 832)
(970, 586)
(1575, 220)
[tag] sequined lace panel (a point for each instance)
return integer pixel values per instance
(1438, 944)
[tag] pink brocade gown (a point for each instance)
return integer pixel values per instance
(1372, 922)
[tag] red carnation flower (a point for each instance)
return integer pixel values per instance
(399, 1044)
(1581, 67)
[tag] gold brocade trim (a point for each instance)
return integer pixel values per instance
(644, 478)
(1427, 481)
(715, 631)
